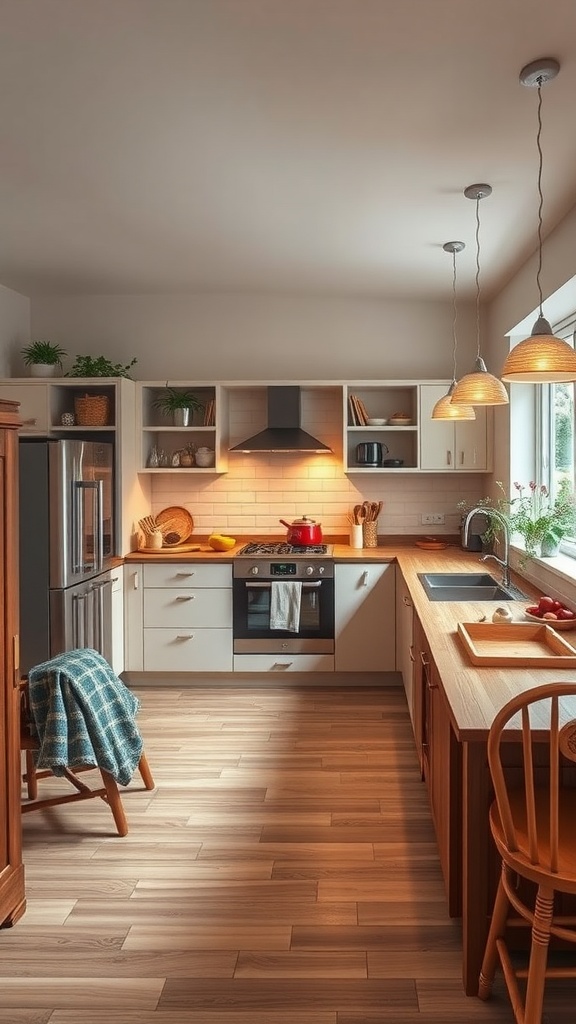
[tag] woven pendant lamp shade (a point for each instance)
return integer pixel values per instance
(480, 388)
(446, 409)
(542, 358)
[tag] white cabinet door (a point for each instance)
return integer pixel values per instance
(133, 617)
(118, 619)
(447, 445)
(365, 617)
(405, 639)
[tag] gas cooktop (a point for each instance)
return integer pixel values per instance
(264, 548)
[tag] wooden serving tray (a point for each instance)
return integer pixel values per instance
(515, 643)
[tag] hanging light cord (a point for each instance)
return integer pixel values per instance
(478, 198)
(455, 319)
(540, 193)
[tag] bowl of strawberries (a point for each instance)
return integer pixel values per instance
(552, 613)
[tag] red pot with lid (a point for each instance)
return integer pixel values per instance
(303, 532)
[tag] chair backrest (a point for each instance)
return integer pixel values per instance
(546, 718)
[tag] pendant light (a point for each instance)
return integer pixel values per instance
(445, 408)
(479, 387)
(541, 358)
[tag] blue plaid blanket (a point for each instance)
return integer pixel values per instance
(83, 714)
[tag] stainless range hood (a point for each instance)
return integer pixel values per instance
(283, 433)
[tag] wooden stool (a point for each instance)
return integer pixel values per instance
(108, 791)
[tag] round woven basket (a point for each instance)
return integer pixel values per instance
(91, 410)
(176, 525)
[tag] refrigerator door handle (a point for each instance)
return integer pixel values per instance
(79, 540)
(98, 525)
(79, 620)
(100, 615)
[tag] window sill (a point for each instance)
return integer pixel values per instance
(557, 574)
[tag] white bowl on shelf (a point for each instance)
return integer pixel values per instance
(555, 623)
(375, 421)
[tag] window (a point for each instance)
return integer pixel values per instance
(557, 430)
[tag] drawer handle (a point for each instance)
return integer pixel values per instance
(411, 653)
(184, 575)
(187, 636)
(187, 597)
(424, 658)
(282, 664)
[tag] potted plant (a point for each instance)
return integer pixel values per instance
(44, 358)
(180, 404)
(539, 520)
(99, 366)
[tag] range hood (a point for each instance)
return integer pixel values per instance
(283, 433)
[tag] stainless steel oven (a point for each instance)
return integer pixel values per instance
(255, 571)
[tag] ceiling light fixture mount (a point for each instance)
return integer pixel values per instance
(479, 387)
(445, 408)
(540, 358)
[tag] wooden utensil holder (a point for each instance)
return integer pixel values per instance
(370, 534)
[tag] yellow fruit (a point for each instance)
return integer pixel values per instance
(219, 542)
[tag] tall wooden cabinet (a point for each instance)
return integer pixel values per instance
(12, 902)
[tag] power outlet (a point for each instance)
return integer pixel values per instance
(433, 519)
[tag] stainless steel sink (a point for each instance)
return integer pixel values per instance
(467, 586)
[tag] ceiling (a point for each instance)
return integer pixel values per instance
(321, 146)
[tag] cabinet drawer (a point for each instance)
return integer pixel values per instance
(188, 574)
(187, 607)
(187, 650)
(283, 663)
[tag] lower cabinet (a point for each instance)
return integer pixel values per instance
(365, 617)
(440, 759)
(182, 613)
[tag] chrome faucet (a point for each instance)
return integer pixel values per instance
(493, 513)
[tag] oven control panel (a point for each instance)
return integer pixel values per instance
(266, 569)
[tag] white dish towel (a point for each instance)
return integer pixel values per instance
(285, 605)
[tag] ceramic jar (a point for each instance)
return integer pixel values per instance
(204, 458)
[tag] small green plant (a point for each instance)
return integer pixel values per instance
(99, 366)
(45, 352)
(171, 399)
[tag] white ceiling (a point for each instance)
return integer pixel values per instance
(153, 146)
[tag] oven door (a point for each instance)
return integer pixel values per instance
(252, 633)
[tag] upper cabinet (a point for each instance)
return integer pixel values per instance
(381, 427)
(182, 427)
(447, 445)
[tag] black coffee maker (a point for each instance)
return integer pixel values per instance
(370, 453)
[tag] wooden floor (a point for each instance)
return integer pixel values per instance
(284, 871)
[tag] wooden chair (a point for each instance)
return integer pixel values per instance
(108, 791)
(533, 823)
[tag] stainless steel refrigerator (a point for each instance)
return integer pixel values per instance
(66, 548)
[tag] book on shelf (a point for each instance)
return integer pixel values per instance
(209, 414)
(358, 412)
